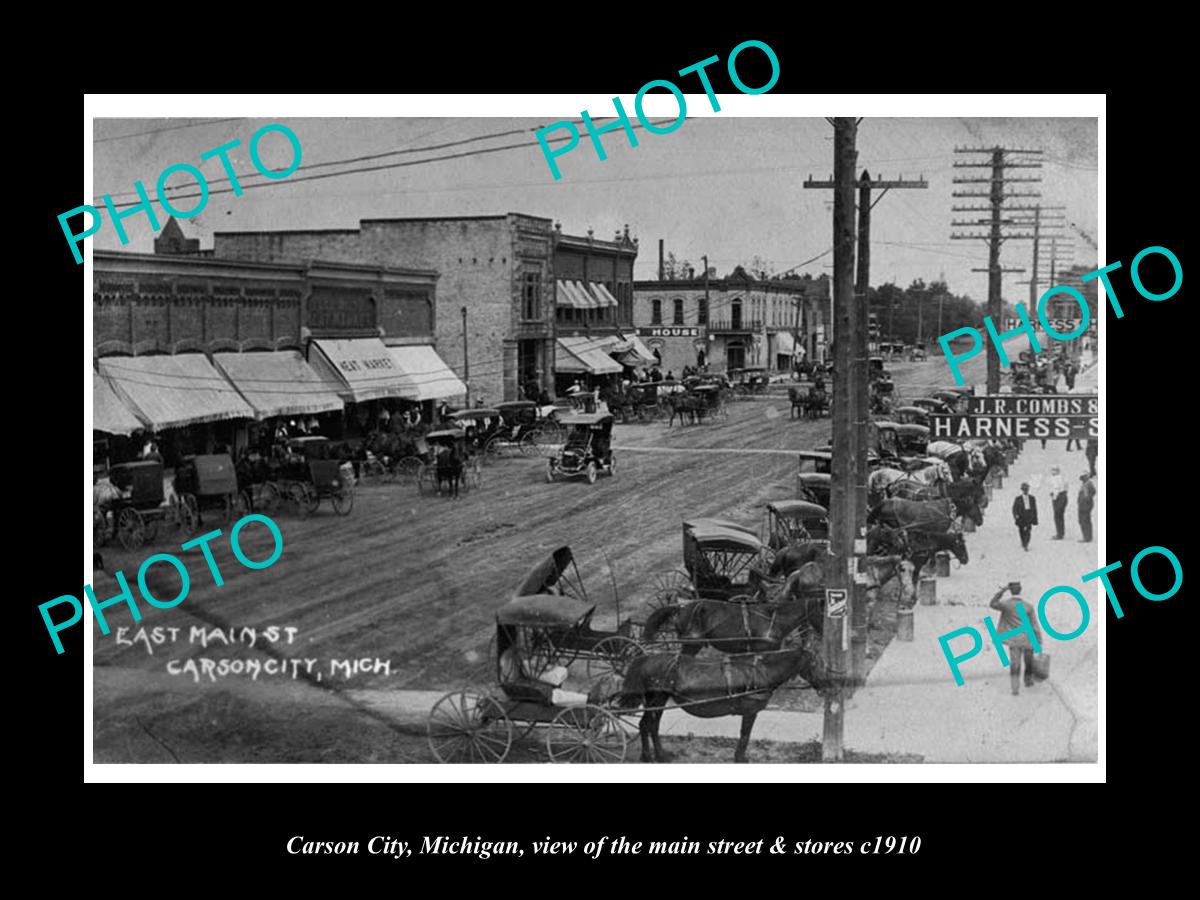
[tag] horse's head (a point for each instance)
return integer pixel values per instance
(958, 547)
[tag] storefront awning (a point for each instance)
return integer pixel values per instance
(169, 391)
(785, 344)
(601, 293)
(585, 354)
(574, 295)
(428, 375)
(363, 368)
(279, 383)
(109, 414)
(636, 353)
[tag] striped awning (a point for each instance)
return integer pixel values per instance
(170, 391)
(279, 383)
(109, 414)
(430, 377)
(574, 295)
(585, 354)
(602, 294)
(363, 368)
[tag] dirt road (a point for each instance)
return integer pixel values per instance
(403, 592)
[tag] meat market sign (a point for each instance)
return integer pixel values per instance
(669, 332)
(1065, 416)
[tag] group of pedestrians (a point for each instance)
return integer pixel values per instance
(1025, 511)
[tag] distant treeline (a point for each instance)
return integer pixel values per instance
(899, 311)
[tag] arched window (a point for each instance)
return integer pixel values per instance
(678, 320)
(655, 311)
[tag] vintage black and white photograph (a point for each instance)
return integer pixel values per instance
(406, 451)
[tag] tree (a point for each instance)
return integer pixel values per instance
(676, 269)
(760, 268)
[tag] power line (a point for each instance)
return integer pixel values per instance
(121, 137)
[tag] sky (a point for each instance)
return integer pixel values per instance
(730, 188)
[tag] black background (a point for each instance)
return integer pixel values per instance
(173, 829)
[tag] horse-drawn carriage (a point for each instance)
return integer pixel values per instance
(448, 457)
(587, 450)
(641, 402)
(133, 506)
(311, 471)
(208, 482)
(811, 403)
(723, 559)
(791, 521)
(517, 430)
(750, 380)
(815, 487)
(911, 415)
(912, 440)
(883, 396)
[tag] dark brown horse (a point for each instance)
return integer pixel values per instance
(449, 470)
(737, 685)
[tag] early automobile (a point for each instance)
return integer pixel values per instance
(588, 448)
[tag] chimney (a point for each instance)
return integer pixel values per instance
(661, 264)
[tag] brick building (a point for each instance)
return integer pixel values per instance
(199, 349)
(518, 278)
(737, 321)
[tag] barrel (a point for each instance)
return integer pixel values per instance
(904, 625)
(968, 525)
(942, 563)
(927, 591)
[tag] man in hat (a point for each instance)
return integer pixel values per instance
(1024, 512)
(1057, 485)
(1015, 614)
(1085, 502)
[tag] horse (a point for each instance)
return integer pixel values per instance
(735, 685)
(796, 399)
(929, 516)
(449, 468)
(925, 545)
(743, 627)
(682, 406)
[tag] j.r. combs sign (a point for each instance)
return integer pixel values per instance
(1073, 416)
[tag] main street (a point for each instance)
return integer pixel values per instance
(402, 593)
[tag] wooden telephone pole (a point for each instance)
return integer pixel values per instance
(860, 379)
(995, 236)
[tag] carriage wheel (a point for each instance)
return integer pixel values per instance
(671, 587)
(343, 502)
(586, 734)
(529, 447)
(408, 470)
(131, 531)
(491, 451)
(312, 498)
(591, 473)
(469, 727)
(151, 530)
(612, 656)
(373, 470)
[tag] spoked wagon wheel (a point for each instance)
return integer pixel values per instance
(343, 502)
(529, 447)
(491, 452)
(612, 656)
(469, 727)
(586, 734)
(408, 470)
(131, 530)
(671, 587)
(311, 497)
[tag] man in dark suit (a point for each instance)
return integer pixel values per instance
(1024, 512)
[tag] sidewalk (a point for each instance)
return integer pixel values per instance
(911, 702)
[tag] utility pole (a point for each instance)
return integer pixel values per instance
(705, 258)
(941, 300)
(466, 358)
(858, 370)
(995, 235)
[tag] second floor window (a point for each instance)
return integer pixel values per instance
(531, 297)
(678, 320)
(702, 311)
(655, 312)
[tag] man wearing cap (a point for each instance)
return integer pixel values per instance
(1019, 646)
(1085, 501)
(1024, 512)
(1057, 486)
